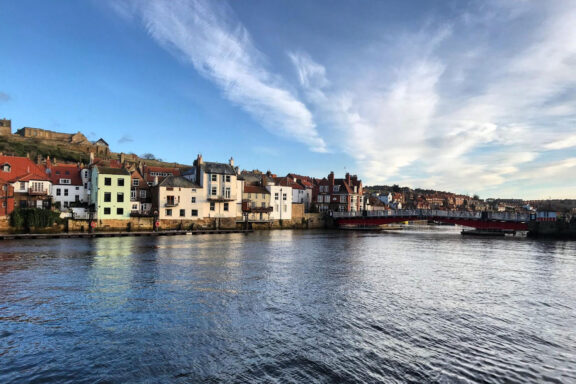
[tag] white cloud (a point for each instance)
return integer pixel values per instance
(207, 34)
(473, 120)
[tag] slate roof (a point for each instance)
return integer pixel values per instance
(178, 182)
(219, 168)
(113, 171)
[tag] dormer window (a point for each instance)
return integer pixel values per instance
(65, 181)
(6, 168)
(336, 188)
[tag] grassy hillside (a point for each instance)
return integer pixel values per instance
(15, 146)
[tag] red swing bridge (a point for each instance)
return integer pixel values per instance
(492, 221)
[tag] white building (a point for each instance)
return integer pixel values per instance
(281, 201)
(70, 185)
(221, 188)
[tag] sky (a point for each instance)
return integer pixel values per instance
(468, 96)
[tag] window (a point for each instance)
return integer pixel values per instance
(6, 167)
(227, 192)
(168, 212)
(85, 185)
(120, 182)
(249, 195)
(214, 191)
(134, 207)
(67, 172)
(119, 211)
(132, 195)
(263, 205)
(107, 181)
(193, 199)
(135, 182)
(77, 188)
(142, 193)
(285, 208)
(226, 206)
(3, 204)
(169, 200)
(342, 199)
(58, 192)
(65, 192)
(182, 213)
(336, 188)
(227, 178)
(194, 212)
(77, 198)
(214, 178)
(212, 206)
(22, 185)
(276, 196)
(65, 181)
(284, 196)
(106, 211)
(120, 197)
(107, 197)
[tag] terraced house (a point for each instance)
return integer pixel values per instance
(221, 188)
(110, 193)
(32, 187)
(179, 199)
(341, 195)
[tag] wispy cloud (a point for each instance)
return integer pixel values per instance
(126, 138)
(208, 35)
(4, 97)
(473, 118)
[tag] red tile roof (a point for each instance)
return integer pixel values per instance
(66, 171)
(21, 169)
(255, 189)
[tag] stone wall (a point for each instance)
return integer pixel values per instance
(297, 211)
(5, 127)
(38, 133)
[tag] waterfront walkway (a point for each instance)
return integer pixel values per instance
(11, 236)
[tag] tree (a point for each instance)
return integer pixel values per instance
(150, 156)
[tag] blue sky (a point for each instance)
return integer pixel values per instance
(474, 97)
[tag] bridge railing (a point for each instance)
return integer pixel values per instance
(433, 213)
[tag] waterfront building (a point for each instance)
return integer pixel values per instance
(256, 204)
(7, 198)
(140, 195)
(221, 188)
(70, 184)
(110, 195)
(342, 195)
(32, 187)
(281, 201)
(179, 199)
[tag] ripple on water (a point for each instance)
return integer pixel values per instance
(314, 307)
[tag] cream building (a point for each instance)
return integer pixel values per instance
(179, 199)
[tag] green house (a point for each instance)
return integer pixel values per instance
(111, 193)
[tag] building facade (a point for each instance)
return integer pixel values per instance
(179, 199)
(110, 195)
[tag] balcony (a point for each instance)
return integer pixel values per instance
(221, 198)
(33, 192)
(171, 204)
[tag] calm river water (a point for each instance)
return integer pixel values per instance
(422, 306)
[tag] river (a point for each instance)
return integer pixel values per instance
(416, 306)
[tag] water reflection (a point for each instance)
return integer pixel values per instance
(289, 306)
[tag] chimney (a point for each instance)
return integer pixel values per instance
(199, 160)
(122, 158)
(91, 158)
(331, 179)
(231, 161)
(48, 163)
(39, 159)
(347, 178)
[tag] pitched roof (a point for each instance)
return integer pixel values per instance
(219, 168)
(21, 169)
(178, 182)
(66, 171)
(173, 171)
(255, 189)
(112, 171)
